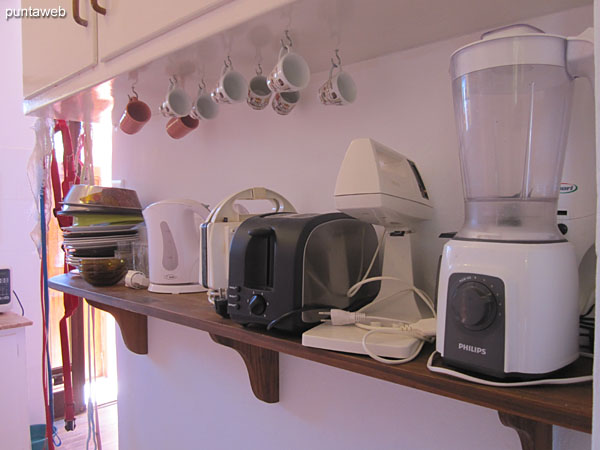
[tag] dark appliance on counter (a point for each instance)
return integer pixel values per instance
(285, 268)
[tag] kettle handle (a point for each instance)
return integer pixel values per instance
(580, 56)
(225, 208)
(200, 209)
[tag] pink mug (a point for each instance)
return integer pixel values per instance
(178, 127)
(136, 115)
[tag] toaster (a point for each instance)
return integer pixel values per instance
(284, 268)
(217, 233)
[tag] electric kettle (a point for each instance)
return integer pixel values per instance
(508, 288)
(174, 245)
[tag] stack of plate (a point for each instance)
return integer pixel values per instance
(104, 226)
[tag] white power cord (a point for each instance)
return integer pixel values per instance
(355, 288)
(462, 376)
(424, 329)
(136, 280)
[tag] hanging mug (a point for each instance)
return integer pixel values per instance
(284, 102)
(231, 87)
(291, 73)
(339, 89)
(177, 103)
(204, 108)
(136, 115)
(259, 93)
(178, 127)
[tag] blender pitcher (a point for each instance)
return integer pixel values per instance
(507, 299)
(512, 121)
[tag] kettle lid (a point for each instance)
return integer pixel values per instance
(511, 45)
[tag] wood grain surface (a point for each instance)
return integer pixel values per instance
(133, 326)
(569, 406)
(533, 435)
(10, 320)
(262, 365)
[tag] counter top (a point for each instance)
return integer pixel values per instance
(10, 320)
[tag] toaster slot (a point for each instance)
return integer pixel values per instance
(260, 255)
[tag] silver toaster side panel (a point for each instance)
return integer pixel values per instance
(336, 256)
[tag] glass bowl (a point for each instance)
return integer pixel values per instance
(102, 271)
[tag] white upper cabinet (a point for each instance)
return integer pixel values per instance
(129, 23)
(56, 49)
(135, 40)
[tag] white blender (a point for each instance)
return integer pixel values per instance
(508, 287)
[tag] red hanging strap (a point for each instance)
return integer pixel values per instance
(63, 221)
(49, 424)
(71, 302)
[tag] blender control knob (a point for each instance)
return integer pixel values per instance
(257, 304)
(474, 305)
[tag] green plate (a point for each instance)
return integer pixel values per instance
(105, 219)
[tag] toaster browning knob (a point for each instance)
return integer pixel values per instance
(257, 304)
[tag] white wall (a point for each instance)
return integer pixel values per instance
(17, 204)
(189, 392)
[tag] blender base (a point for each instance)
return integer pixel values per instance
(508, 309)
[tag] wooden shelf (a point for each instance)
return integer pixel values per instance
(530, 410)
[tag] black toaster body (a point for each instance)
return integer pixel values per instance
(284, 268)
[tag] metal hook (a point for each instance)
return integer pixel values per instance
(201, 86)
(339, 60)
(228, 63)
(259, 70)
(135, 94)
(287, 36)
(258, 56)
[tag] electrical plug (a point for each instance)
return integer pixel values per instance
(341, 317)
(425, 326)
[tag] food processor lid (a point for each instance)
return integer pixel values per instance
(511, 45)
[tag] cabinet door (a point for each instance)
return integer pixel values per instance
(130, 23)
(56, 49)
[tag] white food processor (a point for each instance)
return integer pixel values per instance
(508, 287)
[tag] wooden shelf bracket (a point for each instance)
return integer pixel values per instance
(134, 327)
(533, 435)
(262, 365)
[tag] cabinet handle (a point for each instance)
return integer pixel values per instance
(76, 17)
(99, 9)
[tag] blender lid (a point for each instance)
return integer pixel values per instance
(511, 45)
